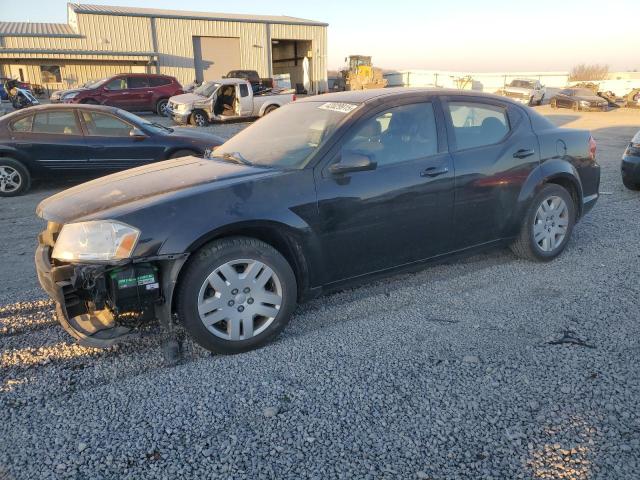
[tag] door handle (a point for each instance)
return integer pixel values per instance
(523, 153)
(434, 171)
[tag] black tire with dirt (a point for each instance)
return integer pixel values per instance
(15, 179)
(199, 119)
(184, 153)
(161, 106)
(525, 245)
(207, 260)
(269, 109)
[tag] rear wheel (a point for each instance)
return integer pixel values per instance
(161, 107)
(547, 225)
(199, 119)
(270, 109)
(553, 103)
(236, 295)
(14, 178)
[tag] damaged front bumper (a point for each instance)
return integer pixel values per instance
(94, 303)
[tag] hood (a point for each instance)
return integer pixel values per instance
(518, 89)
(199, 134)
(187, 98)
(140, 184)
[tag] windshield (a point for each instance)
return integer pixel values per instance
(521, 84)
(206, 89)
(97, 83)
(288, 136)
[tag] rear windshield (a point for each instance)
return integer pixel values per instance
(206, 89)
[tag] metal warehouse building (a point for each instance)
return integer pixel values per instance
(98, 41)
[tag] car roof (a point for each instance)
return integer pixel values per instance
(57, 106)
(363, 96)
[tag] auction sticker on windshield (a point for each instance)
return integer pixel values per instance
(338, 107)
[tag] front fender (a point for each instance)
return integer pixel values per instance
(16, 154)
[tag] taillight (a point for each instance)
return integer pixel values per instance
(293, 99)
(592, 147)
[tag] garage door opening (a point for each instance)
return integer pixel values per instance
(288, 56)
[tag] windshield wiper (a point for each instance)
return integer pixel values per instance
(232, 156)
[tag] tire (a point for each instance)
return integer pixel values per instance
(270, 109)
(553, 103)
(161, 106)
(530, 104)
(222, 302)
(15, 179)
(183, 153)
(576, 107)
(198, 119)
(526, 246)
(631, 185)
(541, 100)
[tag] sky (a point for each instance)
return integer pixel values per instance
(459, 35)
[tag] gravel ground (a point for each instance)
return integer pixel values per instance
(488, 367)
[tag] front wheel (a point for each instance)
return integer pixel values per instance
(554, 103)
(14, 178)
(236, 295)
(547, 225)
(199, 119)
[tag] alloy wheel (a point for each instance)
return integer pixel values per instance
(240, 299)
(200, 120)
(10, 179)
(551, 223)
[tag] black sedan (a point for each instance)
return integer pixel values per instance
(631, 164)
(323, 193)
(578, 99)
(64, 141)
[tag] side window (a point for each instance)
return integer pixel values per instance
(159, 81)
(137, 82)
(117, 84)
(105, 125)
(396, 135)
(56, 122)
(22, 125)
(478, 124)
(244, 90)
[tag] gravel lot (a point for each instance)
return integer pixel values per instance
(488, 367)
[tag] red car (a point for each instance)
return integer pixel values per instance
(131, 91)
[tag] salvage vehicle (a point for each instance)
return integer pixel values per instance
(223, 100)
(579, 99)
(69, 141)
(135, 92)
(631, 164)
(632, 99)
(525, 90)
(321, 194)
(56, 95)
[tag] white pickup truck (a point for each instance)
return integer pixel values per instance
(525, 90)
(222, 100)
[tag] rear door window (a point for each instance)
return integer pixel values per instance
(56, 123)
(478, 124)
(159, 81)
(105, 125)
(244, 90)
(138, 82)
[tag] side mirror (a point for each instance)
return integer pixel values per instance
(137, 133)
(352, 162)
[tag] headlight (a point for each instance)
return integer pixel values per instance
(69, 96)
(95, 241)
(181, 107)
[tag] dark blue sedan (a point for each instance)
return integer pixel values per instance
(64, 141)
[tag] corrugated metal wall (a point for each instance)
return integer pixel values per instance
(174, 38)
